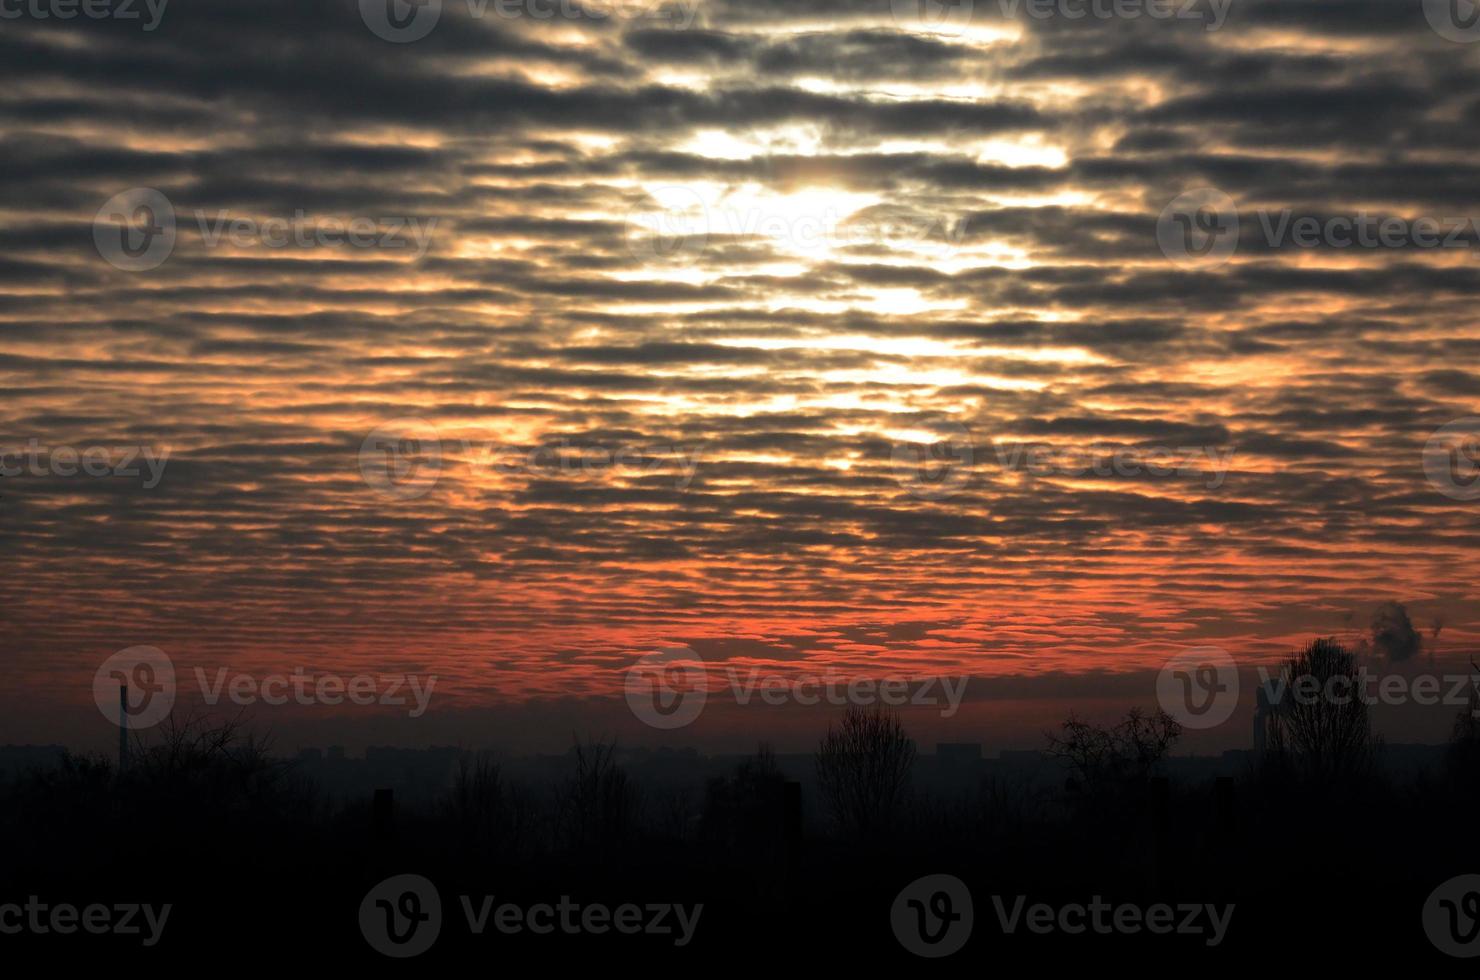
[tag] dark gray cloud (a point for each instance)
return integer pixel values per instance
(899, 232)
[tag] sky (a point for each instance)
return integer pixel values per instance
(510, 342)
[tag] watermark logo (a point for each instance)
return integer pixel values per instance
(1451, 917)
(937, 469)
(402, 459)
(1203, 228)
(401, 21)
(135, 230)
(91, 9)
(932, 916)
(943, 463)
(667, 688)
(670, 225)
(949, 17)
(1425, 689)
(94, 461)
(571, 918)
(1109, 461)
(391, 233)
(412, 691)
(566, 458)
(148, 676)
(676, 223)
(405, 21)
(1199, 687)
(1101, 917)
(1199, 228)
(881, 228)
(1454, 20)
(840, 690)
(1362, 230)
(40, 918)
(1212, 18)
(1451, 459)
(402, 916)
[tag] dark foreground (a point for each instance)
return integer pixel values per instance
(1278, 867)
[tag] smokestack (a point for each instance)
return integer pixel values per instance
(122, 727)
(1267, 704)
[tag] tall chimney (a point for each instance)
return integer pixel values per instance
(122, 727)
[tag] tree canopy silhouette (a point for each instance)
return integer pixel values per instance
(863, 769)
(1320, 725)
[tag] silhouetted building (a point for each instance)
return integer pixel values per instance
(958, 754)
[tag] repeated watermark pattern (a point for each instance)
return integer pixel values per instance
(670, 224)
(675, 224)
(932, 916)
(137, 688)
(408, 21)
(1449, 690)
(137, 230)
(1103, 918)
(1454, 20)
(403, 459)
(945, 465)
(670, 687)
(1451, 459)
(402, 917)
(1107, 460)
(1199, 687)
(1451, 917)
(955, 16)
(38, 918)
(392, 233)
(567, 457)
(667, 688)
(99, 461)
(1203, 227)
(1199, 227)
(148, 13)
(306, 688)
(938, 469)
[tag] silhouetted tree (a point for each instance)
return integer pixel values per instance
(676, 812)
(1463, 756)
(1006, 803)
(1103, 758)
(743, 808)
(190, 783)
(863, 769)
(597, 806)
(489, 813)
(1320, 728)
(61, 804)
(194, 765)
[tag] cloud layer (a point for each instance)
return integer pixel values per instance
(747, 261)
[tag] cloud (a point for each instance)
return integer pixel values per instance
(1393, 634)
(795, 319)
